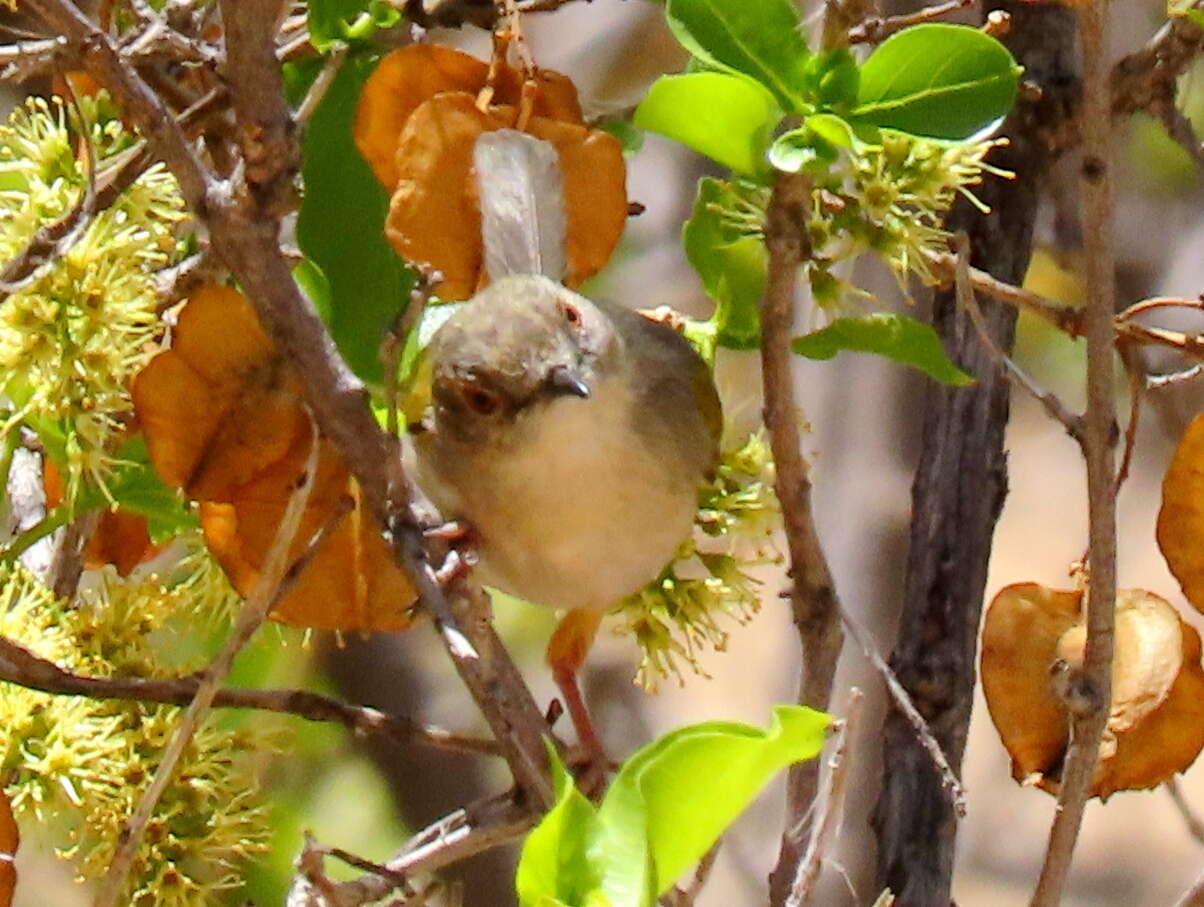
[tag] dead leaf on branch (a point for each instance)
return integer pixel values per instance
(1156, 723)
(1181, 519)
(10, 840)
(419, 117)
(225, 421)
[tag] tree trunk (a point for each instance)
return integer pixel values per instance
(961, 482)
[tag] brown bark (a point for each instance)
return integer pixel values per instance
(961, 482)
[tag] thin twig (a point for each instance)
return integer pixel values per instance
(879, 28)
(264, 594)
(902, 701)
(1066, 318)
(1157, 382)
(1090, 706)
(321, 85)
(478, 827)
(20, 666)
(1194, 896)
(813, 601)
(1137, 390)
(1192, 822)
(967, 300)
(829, 818)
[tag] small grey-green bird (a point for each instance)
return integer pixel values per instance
(571, 435)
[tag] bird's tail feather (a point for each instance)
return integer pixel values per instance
(522, 204)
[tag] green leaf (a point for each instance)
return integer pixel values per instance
(345, 21)
(661, 814)
(936, 80)
(554, 865)
(731, 264)
(1186, 9)
(341, 227)
(759, 38)
(889, 334)
(726, 117)
(669, 788)
(137, 488)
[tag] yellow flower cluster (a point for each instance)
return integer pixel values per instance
(76, 766)
(681, 612)
(73, 337)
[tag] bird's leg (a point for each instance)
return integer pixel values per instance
(566, 653)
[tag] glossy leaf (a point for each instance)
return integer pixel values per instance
(936, 80)
(728, 118)
(895, 336)
(731, 265)
(662, 812)
(340, 21)
(555, 859)
(341, 227)
(762, 39)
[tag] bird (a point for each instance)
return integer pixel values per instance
(572, 435)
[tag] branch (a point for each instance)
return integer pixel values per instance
(20, 666)
(245, 235)
(478, 827)
(1094, 686)
(813, 600)
(825, 829)
(878, 28)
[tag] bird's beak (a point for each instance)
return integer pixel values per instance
(563, 380)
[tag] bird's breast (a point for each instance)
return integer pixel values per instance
(581, 512)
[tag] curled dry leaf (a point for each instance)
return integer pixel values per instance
(10, 840)
(225, 421)
(1156, 723)
(1181, 519)
(419, 116)
(411, 75)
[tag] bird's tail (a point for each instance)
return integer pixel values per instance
(522, 204)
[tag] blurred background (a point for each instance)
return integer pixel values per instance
(863, 440)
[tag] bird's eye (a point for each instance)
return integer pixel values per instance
(571, 313)
(481, 400)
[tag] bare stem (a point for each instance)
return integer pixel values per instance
(1088, 724)
(813, 600)
(825, 829)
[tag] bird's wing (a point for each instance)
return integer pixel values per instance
(522, 204)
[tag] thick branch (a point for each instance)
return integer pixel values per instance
(1095, 682)
(960, 484)
(813, 600)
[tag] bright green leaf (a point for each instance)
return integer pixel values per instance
(554, 866)
(669, 787)
(889, 334)
(760, 38)
(726, 117)
(936, 80)
(341, 226)
(834, 77)
(731, 264)
(335, 21)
